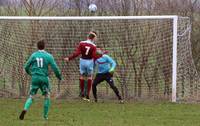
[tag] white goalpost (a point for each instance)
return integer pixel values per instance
(153, 54)
(174, 68)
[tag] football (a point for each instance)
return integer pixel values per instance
(92, 8)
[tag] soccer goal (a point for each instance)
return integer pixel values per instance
(153, 54)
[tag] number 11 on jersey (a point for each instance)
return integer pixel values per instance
(39, 62)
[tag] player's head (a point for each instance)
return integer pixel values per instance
(41, 44)
(92, 35)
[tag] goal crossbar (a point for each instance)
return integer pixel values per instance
(86, 17)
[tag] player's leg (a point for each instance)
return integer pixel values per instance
(81, 79)
(26, 107)
(112, 85)
(47, 104)
(90, 67)
(81, 85)
(98, 79)
(89, 84)
(45, 88)
(85, 85)
(33, 90)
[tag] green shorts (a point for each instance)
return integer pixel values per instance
(39, 82)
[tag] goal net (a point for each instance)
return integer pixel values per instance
(153, 55)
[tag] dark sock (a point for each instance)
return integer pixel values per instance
(89, 87)
(82, 87)
(117, 92)
(94, 90)
(85, 87)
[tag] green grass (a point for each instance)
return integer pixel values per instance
(79, 113)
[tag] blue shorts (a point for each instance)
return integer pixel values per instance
(86, 66)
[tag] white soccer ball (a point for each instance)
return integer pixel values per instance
(92, 8)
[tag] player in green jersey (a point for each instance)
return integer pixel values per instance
(37, 68)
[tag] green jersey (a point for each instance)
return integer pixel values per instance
(37, 64)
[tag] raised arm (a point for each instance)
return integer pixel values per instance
(76, 53)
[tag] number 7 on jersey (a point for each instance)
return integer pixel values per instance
(87, 50)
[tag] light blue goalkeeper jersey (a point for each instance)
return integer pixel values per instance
(105, 64)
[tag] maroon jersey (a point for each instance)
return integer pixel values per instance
(87, 49)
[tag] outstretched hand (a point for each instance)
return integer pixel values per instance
(66, 59)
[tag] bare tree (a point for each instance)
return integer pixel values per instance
(39, 7)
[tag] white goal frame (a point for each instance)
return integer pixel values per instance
(175, 30)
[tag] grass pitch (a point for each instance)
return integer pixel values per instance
(80, 113)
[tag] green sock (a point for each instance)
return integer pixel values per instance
(46, 106)
(28, 103)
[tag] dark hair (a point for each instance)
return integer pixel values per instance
(92, 35)
(41, 44)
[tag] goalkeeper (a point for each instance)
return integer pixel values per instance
(37, 68)
(105, 69)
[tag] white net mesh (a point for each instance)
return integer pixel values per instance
(142, 49)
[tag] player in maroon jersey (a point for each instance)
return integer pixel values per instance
(87, 50)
